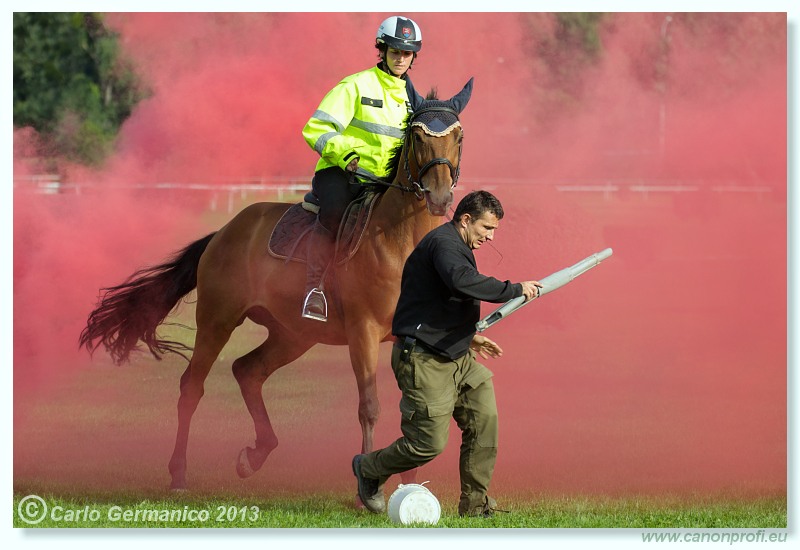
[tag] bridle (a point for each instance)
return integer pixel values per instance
(417, 187)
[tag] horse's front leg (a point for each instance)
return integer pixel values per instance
(363, 341)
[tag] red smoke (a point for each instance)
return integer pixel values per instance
(662, 370)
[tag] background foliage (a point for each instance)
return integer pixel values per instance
(74, 86)
(71, 83)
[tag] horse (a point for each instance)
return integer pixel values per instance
(236, 279)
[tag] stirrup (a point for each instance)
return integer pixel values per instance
(312, 314)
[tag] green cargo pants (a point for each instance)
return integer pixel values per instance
(435, 389)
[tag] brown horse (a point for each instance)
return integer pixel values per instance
(236, 279)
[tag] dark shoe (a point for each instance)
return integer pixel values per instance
(485, 510)
(368, 489)
(315, 305)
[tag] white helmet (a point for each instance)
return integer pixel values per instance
(400, 33)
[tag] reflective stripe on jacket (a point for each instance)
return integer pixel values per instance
(362, 116)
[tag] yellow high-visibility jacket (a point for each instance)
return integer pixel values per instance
(362, 116)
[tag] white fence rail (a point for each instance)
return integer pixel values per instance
(229, 191)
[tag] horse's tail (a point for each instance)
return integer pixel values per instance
(132, 311)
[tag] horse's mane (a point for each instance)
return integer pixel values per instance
(394, 154)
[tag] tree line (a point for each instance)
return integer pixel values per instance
(75, 87)
(71, 83)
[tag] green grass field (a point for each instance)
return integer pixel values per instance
(337, 511)
(113, 445)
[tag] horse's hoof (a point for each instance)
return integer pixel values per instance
(243, 467)
(177, 486)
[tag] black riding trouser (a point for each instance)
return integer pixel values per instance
(333, 188)
(335, 192)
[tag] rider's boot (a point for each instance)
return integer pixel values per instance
(320, 252)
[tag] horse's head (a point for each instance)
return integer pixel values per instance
(433, 147)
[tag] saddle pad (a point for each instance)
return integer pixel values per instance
(289, 238)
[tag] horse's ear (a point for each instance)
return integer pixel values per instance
(414, 98)
(460, 100)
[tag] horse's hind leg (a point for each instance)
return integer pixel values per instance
(251, 371)
(208, 343)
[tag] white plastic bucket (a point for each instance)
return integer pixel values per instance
(414, 503)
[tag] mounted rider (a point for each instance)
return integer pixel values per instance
(357, 124)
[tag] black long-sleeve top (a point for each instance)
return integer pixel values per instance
(441, 291)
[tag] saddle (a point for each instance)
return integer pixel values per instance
(289, 238)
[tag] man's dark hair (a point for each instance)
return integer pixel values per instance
(476, 203)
